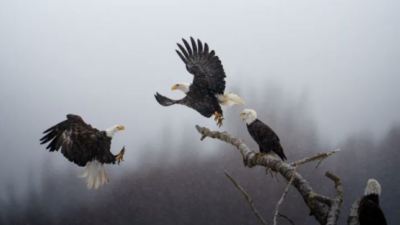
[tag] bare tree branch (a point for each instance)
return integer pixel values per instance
(253, 207)
(288, 219)
(320, 156)
(283, 196)
(353, 217)
(318, 209)
(323, 199)
(334, 210)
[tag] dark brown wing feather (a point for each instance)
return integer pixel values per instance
(202, 101)
(204, 65)
(79, 142)
(369, 212)
(266, 138)
(164, 101)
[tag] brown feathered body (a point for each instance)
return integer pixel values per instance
(266, 138)
(79, 142)
(369, 211)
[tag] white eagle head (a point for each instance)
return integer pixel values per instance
(248, 115)
(114, 129)
(184, 87)
(373, 187)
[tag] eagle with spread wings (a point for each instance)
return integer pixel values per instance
(85, 146)
(206, 93)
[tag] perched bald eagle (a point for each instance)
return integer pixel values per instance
(369, 212)
(85, 146)
(265, 137)
(206, 93)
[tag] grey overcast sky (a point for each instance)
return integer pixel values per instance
(104, 60)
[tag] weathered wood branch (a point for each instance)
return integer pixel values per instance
(353, 217)
(253, 207)
(319, 210)
(283, 197)
(323, 199)
(287, 218)
(319, 156)
(334, 210)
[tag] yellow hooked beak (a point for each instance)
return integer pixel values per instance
(173, 88)
(242, 114)
(121, 128)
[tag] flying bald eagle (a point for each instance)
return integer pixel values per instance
(265, 137)
(369, 212)
(85, 146)
(206, 93)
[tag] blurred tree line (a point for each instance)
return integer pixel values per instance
(194, 190)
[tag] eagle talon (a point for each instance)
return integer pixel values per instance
(218, 118)
(120, 156)
(219, 123)
(260, 154)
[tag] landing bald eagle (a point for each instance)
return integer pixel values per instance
(369, 212)
(206, 93)
(265, 137)
(86, 146)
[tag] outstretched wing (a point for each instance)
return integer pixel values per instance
(73, 136)
(204, 65)
(164, 101)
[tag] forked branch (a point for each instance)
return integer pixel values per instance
(321, 210)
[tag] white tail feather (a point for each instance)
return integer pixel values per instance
(95, 175)
(229, 99)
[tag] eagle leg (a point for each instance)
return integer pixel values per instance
(120, 156)
(260, 154)
(218, 118)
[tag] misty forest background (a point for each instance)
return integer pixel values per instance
(173, 185)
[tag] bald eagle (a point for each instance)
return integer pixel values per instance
(265, 137)
(85, 146)
(206, 93)
(369, 212)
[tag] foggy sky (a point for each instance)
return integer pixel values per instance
(104, 61)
